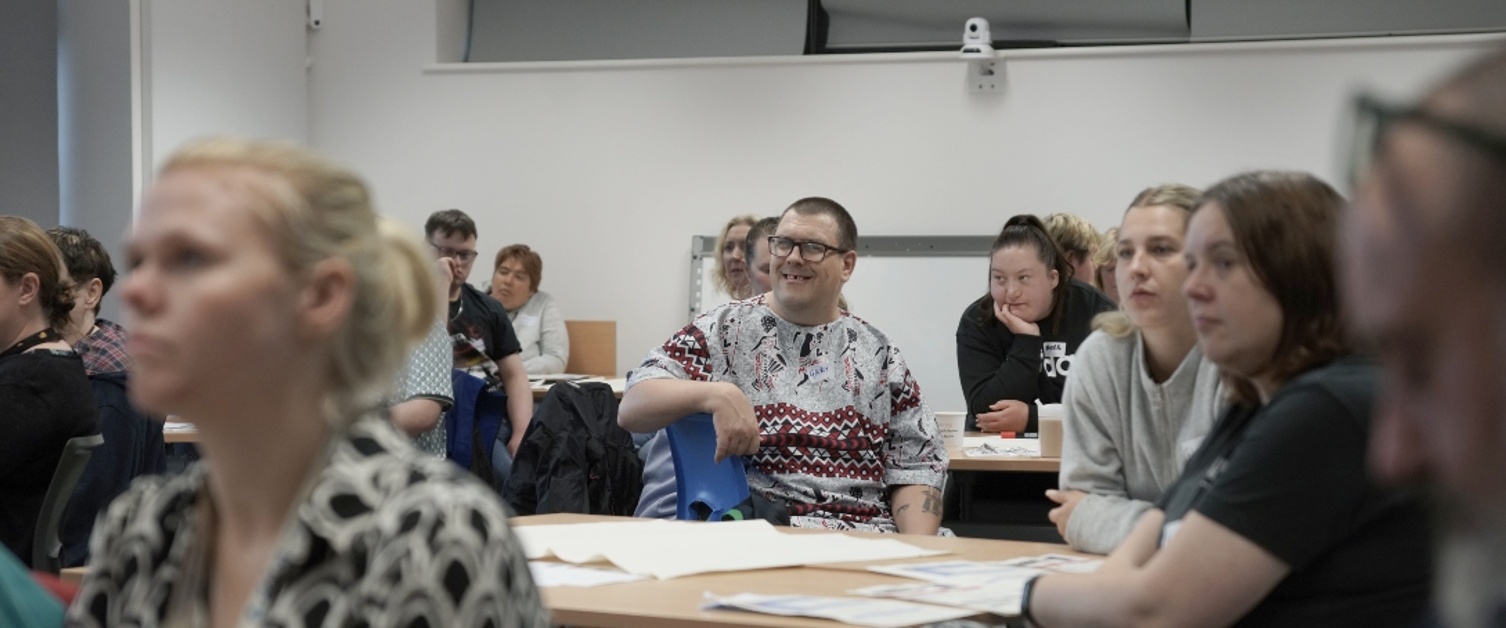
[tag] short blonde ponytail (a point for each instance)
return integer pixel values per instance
(315, 210)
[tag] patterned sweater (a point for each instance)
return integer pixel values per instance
(387, 536)
(842, 421)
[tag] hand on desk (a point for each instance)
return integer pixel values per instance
(1067, 502)
(1008, 415)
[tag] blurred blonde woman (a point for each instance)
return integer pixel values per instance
(272, 307)
(1078, 240)
(731, 261)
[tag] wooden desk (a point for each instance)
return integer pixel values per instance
(962, 462)
(676, 603)
(180, 436)
(73, 575)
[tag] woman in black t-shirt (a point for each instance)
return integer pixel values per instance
(44, 394)
(1015, 344)
(1274, 521)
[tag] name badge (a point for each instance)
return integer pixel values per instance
(527, 320)
(818, 372)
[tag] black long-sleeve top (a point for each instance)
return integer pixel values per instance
(996, 364)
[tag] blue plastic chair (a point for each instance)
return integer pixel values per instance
(706, 490)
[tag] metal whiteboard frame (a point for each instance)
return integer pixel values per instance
(703, 248)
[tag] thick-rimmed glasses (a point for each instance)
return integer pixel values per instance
(454, 254)
(810, 251)
(1372, 118)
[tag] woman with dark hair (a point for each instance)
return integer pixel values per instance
(1274, 521)
(44, 395)
(1015, 344)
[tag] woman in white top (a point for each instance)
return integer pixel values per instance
(540, 328)
(1141, 395)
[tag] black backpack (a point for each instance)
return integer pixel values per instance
(574, 457)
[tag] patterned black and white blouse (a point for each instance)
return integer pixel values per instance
(387, 536)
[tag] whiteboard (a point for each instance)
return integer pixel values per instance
(915, 298)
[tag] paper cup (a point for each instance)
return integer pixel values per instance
(951, 426)
(1051, 436)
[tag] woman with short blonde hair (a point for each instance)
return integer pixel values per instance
(731, 262)
(271, 306)
(536, 319)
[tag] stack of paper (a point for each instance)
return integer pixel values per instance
(848, 610)
(670, 549)
(995, 446)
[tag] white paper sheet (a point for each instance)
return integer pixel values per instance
(671, 549)
(1059, 563)
(958, 572)
(848, 610)
(1000, 598)
(548, 574)
(176, 426)
(984, 446)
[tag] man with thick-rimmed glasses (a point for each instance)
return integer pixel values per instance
(1425, 252)
(485, 343)
(831, 423)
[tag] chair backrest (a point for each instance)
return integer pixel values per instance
(593, 348)
(472, 424)
(46, 545)
(706, 490)
(133, 447)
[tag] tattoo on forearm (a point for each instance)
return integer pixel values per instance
(932, 503)
(902, 509)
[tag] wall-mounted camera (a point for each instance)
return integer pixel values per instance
(977, 42)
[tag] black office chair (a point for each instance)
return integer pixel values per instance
(46, 546)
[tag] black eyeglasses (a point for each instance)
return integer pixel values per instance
(1372, 118)
(781, 246)
(455, 254)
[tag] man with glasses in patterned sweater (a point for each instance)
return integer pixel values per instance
(820, 403)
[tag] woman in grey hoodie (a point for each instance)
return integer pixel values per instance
(1141, 396)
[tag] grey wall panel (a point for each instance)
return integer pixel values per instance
(94, 124)
(1244, 19)
(552, 30)
(906, 23)
(28, 111)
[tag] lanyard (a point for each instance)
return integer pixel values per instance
(46, 335)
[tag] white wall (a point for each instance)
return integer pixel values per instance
(96, 154)
(233, 68)
(608, 170)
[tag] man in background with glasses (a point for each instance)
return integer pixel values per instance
(832, 425)
(485, 344)
(1425, 253)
